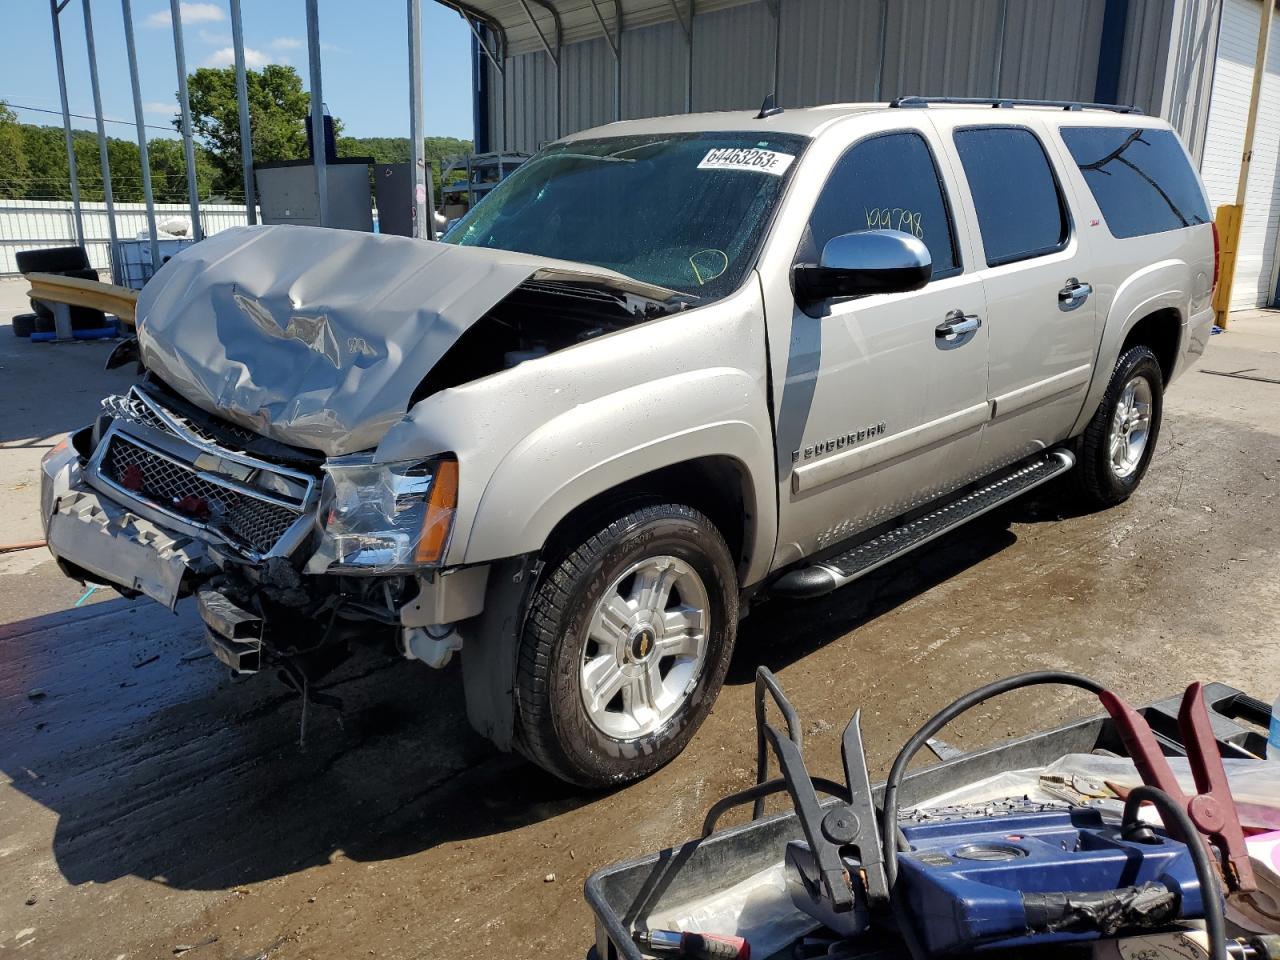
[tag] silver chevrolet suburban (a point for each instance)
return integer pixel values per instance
(668, 368)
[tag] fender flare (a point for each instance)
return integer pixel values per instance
(1159, 286)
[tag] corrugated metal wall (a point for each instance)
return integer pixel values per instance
(829, 51)
(35, 224)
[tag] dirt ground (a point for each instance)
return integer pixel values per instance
(147, 801)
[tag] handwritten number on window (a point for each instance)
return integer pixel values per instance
(895, 218)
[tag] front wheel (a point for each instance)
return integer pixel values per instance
(626, 646)
(1118, 443)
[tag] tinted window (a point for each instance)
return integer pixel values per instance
(886, 183)
(1020, 211)
(1140, 178)
(686, 211)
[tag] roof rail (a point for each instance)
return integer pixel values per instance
(999, 102)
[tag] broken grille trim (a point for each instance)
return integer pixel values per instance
(179, 428)
(162, 513)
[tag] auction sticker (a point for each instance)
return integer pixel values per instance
(747, 158)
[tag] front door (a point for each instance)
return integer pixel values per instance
(881, 409)
(1040, 307)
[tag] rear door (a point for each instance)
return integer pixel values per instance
(1036, 277)
(880, 409)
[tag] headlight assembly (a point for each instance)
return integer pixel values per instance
(385, 517)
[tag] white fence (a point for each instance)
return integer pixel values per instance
(32, 224)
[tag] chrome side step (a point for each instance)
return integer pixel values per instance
(823, 577)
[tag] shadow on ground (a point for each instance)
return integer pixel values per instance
(160, 766)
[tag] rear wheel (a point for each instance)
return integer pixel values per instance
(1118, 443)
(626, 646)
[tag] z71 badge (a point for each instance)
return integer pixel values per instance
(839, 443)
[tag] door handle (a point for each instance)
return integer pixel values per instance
(957, 325)
(1074, 294)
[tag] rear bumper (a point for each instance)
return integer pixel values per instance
(98, 540)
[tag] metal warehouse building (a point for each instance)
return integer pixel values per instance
(545, 68)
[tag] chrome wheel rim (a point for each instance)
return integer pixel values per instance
(1130, 427)
(646, 647)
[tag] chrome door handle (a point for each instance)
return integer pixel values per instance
(957, 325)
(1074, 294)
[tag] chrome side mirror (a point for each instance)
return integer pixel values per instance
(868, 261)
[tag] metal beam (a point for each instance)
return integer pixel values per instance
(144, 157)
(103, 159)
(688, 67)
(242, 100)
(684, 27)
(422, 200)
(538, 30)
(54, 9)
(617, 64)
(475, 31)
(608, 37)
(184, 103)
(319, 158)
(884, 39)
(777, 48)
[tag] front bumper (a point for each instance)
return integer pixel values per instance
(100, 541)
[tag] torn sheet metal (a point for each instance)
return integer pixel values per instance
(318, 337)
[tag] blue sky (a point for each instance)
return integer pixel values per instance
(364, 56)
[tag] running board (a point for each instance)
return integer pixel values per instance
(817, 579)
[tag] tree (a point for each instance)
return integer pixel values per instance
(436, 150)
(278, 112)
(169, 171)
(15, 172)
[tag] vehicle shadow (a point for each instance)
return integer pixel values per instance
(780, 632)
(159, 765)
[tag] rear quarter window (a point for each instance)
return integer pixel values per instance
(1140, 177)
(1020, 209)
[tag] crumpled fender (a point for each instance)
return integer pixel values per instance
(538, 440)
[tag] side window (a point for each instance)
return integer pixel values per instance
(1020, 211)
(888, 182)
(1141, 178)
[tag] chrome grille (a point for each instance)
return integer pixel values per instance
(246, 520)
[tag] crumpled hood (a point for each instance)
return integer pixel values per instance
(318, 337)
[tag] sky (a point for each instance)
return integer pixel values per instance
(364, 54)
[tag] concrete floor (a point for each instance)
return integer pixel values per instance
(147, 801)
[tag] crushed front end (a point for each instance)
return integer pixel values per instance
(292, 558)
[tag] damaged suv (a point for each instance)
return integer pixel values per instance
(667, 368)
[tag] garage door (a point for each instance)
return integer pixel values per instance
(1229, 109)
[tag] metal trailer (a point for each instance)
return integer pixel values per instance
(622, 894)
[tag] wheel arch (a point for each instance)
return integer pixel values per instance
(1150, 308)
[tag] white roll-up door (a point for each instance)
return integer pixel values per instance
(1228, 112)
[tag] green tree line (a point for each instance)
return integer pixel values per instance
(33, 159)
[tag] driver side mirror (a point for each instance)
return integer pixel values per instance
(868, 261)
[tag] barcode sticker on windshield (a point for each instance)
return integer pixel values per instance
(750, 158)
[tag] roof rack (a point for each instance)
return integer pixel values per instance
(1006, 102)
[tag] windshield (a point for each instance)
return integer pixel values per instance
(685, 211)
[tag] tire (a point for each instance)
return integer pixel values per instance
(1107, 475)
(591, 625)
(24, 324)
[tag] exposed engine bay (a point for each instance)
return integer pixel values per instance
(247, 512)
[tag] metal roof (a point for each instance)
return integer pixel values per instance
(527, 25)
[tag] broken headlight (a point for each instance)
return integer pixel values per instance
(385, 517)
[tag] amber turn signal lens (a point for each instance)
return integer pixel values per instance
(438, 521)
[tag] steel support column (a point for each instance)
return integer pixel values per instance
(615, 47)
(423, 201)
(318, 152)
(184, 103)
(55, 8)
(102, 134)
(242, 100)
(144, 157)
